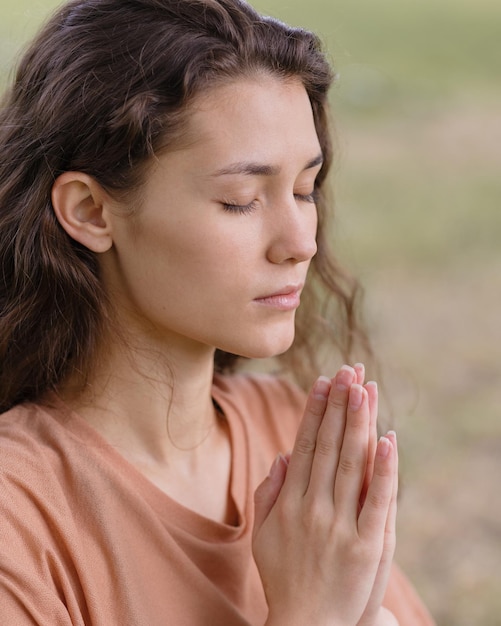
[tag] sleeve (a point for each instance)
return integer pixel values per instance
(403, 601)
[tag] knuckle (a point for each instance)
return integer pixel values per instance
(304, 445)
(316, 515)
(348, 465)
(357, 422)
(383, 470)
(345, 538)
(378, 500)
(316, 408)
(325, 446)
(358, 553)
(337, 402)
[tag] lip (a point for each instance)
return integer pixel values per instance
(286, 298)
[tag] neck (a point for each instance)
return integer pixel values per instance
(151, 400)
(153, 403)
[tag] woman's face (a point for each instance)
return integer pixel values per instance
(217, 254)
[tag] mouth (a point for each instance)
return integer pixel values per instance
(287, 298)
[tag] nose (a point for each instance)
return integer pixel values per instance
(293, 228)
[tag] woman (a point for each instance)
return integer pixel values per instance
(162, 199)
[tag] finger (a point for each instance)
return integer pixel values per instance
(376, 516)
(268, 491)
(360, 373)
(372, 392)
(353, 457)
(392, 514)
(330, 435)
(301, 458)
(385, 565)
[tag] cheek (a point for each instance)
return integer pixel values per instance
(196, 253)
(222, 246)
(195, 261)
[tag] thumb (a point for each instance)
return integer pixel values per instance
(267, 493)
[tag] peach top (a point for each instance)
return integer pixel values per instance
(86, 539)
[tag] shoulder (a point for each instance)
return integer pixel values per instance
(31, 494)
(28, 456)
(37, 462)
(32, 507)
(21, 443)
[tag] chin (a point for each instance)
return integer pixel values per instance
(260, 341)
(265, 348)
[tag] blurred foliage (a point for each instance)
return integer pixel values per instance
(423, 48)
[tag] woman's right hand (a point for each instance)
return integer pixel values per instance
(324, 529)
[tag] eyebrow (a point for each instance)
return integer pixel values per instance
(257, 169)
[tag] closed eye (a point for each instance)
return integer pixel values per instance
(251, 206)
(309, 197)
(240, 208)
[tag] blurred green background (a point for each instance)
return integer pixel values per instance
(418, 115)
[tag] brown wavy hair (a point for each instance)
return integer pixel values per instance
(103, 88)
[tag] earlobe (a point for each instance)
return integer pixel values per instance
(79, 205)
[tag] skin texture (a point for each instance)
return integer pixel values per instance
(214, 256)
(199, 264)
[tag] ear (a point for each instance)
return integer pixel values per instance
(80, 205)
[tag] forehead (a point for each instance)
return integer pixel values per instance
(255, 118)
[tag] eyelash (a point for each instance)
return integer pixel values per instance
(245, 209)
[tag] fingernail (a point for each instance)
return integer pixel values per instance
(371, 383)
(274, 467)
(321, 388)
(384, 447)
(392, 435)
(344, 378)
(360, 367)
(356, 397)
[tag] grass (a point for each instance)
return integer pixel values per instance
(418, 108)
